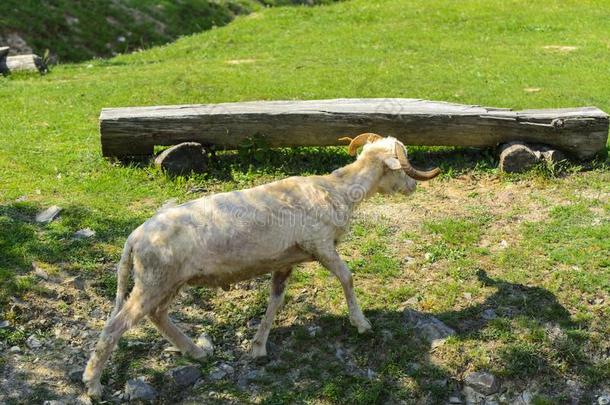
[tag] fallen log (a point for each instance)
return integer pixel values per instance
(133, 132)
(32, 62)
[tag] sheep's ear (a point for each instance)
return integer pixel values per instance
(392, 163)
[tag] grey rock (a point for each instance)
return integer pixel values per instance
(76, 374)
(54, 402)
(217, 374)
(489, 314)
(517, 158)
(33, 343)
(14, 349)
(4, 324)
(482, 382)
(603, 399)
(430, 328)
(39, 272)
(182, 159)
(313, 330)
(138, 389)
(84, 233)
(472, 397)
(553, 156)
(48, 215)
(75, 282)
(525, 398)
(455, 400)
(185, 375)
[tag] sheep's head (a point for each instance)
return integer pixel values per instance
(398, 175)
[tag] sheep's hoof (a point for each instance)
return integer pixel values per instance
(95, 390)
(363, 325)
(258, 351)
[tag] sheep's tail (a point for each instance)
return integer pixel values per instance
(123, 271)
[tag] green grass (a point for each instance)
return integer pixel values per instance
(549, 276)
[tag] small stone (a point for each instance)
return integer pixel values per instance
(482, 382)
(472, 397)
(217, 374)
(85, 233)
(409, 259)
(455, 400)
(33, 343)
(4, 324)
(503, 244)
(603, 399)
(48, 215)
(76, 374)
(428, 256)
(182, 159)
(431, 329)
(39, 271)
(314, 330)
(75, 282)
(185, 375)
(138, 389)
(53, 402)
(489, 314)
(14, 349)
(553, 156)
(468, 296)
(525, 398)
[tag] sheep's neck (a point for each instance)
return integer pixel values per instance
(359, 180)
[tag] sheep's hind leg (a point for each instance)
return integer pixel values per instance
(276, 297)
(132, 311)
(170, 331)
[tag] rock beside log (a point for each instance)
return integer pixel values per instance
(182, 159)
(516, 157)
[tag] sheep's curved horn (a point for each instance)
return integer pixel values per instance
(360, 140)
(410, 170)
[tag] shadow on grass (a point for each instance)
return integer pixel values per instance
(24, 241)
(322, 160)
(337, 365)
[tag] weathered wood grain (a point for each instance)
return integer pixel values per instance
(581, 132)
(22, 62)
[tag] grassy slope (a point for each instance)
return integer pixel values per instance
(74, 30)
(472, 52)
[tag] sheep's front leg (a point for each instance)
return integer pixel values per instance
(330, 259)
(276, 297)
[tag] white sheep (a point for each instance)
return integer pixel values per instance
(224, 238)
